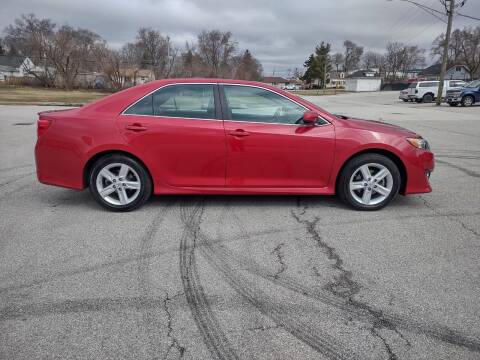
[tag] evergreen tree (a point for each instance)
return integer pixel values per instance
(318, 65)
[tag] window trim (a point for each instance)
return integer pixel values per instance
(224, 105)
(216, 100)
(221, 105)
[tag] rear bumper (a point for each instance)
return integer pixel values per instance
(58, 166)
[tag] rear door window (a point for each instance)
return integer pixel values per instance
(194, 101)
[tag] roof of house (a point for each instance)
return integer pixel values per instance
(435, 69)
(363, 74)
(12, 61)
(275, 79)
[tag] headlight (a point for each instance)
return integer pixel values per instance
(419, 143)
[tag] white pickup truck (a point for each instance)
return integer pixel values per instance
(426, 91)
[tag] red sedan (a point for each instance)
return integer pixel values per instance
(217, 136)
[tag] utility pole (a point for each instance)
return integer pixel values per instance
(443, 69)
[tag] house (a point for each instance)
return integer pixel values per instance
(276, 81)
(455, 72)
(15, 66)
(363, 80)
(335, 79)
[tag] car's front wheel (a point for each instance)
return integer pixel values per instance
(467, 100)
(120, 183)
(369, 182)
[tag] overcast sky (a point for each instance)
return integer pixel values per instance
(280, 33)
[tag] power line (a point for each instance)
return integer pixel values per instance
(468, 16)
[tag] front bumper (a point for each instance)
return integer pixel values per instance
(419, 169)
(453, 99)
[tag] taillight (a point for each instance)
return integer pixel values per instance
(42, 126)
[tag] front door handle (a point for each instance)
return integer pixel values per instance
(239, 133)
(135, 127)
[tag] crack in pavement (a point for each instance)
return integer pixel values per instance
(277, 251)
(451, 217)
(174, 343)
(345, 287)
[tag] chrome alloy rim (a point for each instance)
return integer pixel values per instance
(371, 184)
(118, 184)
(468, 101)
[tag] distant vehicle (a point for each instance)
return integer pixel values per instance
(426, 91)
(466, 96)
(291, 87)
(218, 136)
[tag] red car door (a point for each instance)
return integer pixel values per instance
(178, 131)
(266, 147)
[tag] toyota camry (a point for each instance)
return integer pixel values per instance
(217, 136)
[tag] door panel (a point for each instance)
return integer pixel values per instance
(265, 145)
(274, 155)
(184, 151)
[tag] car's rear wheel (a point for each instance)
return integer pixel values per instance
(369, 182)
(427, 98)
(467, 100)
(120, 183)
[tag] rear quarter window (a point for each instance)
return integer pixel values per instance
(141, 107)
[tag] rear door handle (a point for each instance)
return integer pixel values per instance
(135, 127)
(239, 133)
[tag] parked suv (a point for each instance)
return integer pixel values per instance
(426, 91)
(467, 96)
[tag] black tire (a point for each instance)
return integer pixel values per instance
(468, 100)
(343, 190)
(418, 101)
(144, 178)
(453, 104)
(427, 98)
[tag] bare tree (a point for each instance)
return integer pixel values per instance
(353, 54)
(463, 48)
(155, 52)
(413, 57)
(30, 36)
(70, 51)
(338, 60)
(216, 49)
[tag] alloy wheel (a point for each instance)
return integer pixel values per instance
(118, 184)
(371, 184)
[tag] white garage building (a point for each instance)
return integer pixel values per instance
(363, 80)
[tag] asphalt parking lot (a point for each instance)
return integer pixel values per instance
(226, 277)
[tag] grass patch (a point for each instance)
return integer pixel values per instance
(23, 95)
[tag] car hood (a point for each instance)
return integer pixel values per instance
(377, 126)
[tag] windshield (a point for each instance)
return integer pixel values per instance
(473, 84)
(412, 85)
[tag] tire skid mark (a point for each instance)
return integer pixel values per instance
(214, 338)
(11, 168)
(17, 178)
(279, 313)
(360, 310)
(461, 168)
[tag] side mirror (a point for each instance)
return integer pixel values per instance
(310, 117)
